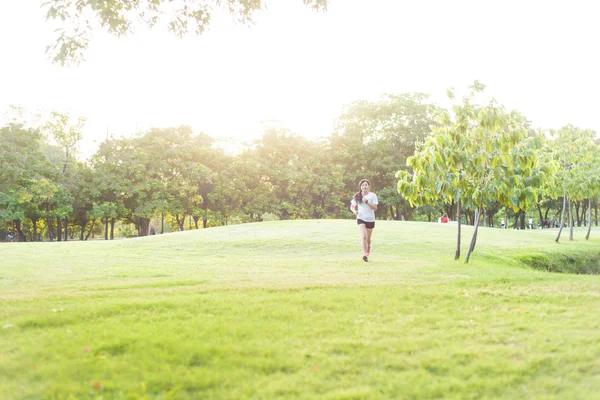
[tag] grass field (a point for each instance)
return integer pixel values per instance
(289, 310)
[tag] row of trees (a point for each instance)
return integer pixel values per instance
(482, 157)
(173, 174)
(472, 161)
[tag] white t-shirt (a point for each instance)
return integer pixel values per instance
(364, 211)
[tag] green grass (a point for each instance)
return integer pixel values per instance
(289, 310)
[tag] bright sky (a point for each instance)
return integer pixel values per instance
(300, 67)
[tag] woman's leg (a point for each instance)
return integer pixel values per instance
(369, 233)
(363, 237)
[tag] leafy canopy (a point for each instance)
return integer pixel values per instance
(78, 19)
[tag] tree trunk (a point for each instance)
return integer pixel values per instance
(196, 219)
(570, 219)
(66, 229)
(106, 228)
(83, 224)
(66, 160)
(34, 223)
(143, 225)
(458, 218)
(562, 215)
(506, 219)
(540, 212)
(474, 238)
(91, 228)
(58, 229)
(546, 214)
(449, 210)
(20, 235)
(180, 222)
(522, 219)
(50, 229)
(48, 222)
(584, 207)
(517, 219)
(589, 219)
(204, 221)
(577, 212)
(112, 229)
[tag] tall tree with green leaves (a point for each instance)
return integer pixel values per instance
(34, 197)
(584, 173)
(22, 165)
(572, 149)
(112, 184)
(592, 184)
(440, 163)
(478, 155)
(67, 132)
(84, 194)
(258, 197)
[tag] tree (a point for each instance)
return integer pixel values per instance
(582, 176)
(79, 18)
(592, 183)
(439, 165)
(67, 134)
(573, 150)
(34, 197)
(258, 197)
(20, 154)
(84, 193)
(477, 156)
(23, 170)
(527, 174)
(110, 181)
(226, 196)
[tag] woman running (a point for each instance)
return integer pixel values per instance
(364, 205)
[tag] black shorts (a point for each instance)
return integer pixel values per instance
(369, 225)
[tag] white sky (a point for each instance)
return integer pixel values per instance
(300, 67)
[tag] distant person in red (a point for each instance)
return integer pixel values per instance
(444, 219)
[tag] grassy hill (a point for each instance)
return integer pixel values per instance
(288, 309)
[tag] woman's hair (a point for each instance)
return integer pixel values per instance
(445, 215)
(358, 196)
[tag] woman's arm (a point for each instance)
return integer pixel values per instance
(371, 206)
